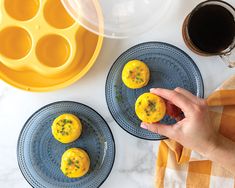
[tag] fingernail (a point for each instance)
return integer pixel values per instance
(152, 89)
(142, 125)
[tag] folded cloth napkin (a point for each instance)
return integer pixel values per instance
(179, 167)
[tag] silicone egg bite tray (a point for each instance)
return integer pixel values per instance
(41, 47)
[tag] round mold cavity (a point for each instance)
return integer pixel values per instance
(56, 15)
(53, 50)
(22, 10)
(15, 42)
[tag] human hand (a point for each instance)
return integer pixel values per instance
(195, 130)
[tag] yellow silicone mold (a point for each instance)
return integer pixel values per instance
(41, 47)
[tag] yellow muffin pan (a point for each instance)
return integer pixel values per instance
(42, 47)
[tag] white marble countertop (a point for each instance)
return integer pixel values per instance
(135, 159)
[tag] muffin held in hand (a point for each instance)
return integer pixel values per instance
(66, 128)
(135, 74)
(150, 108)
(75, 163)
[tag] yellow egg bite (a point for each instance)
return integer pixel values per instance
(66, 128)
(135, 74)
(75, 163)
(150, 108)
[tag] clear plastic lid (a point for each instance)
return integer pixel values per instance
(117, 18)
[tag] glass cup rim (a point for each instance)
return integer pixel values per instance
(207, 2)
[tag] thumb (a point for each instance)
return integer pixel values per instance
(165, 130)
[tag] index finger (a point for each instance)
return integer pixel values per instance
(176, 98)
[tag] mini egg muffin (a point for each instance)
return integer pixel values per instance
(66, 128)
(135, 74)
(75, 163)
(150, 108)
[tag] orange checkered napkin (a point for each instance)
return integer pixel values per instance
(179, 167)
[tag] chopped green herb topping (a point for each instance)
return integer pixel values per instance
(77, 166)
(70, 162)
(152, 105)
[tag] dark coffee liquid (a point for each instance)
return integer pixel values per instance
(212, 28)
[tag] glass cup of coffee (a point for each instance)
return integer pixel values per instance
(210, 30)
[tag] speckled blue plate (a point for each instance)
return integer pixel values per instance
(170, 67)
(39, 154)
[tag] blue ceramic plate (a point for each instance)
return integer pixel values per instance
(170, 67)
(39, 154)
